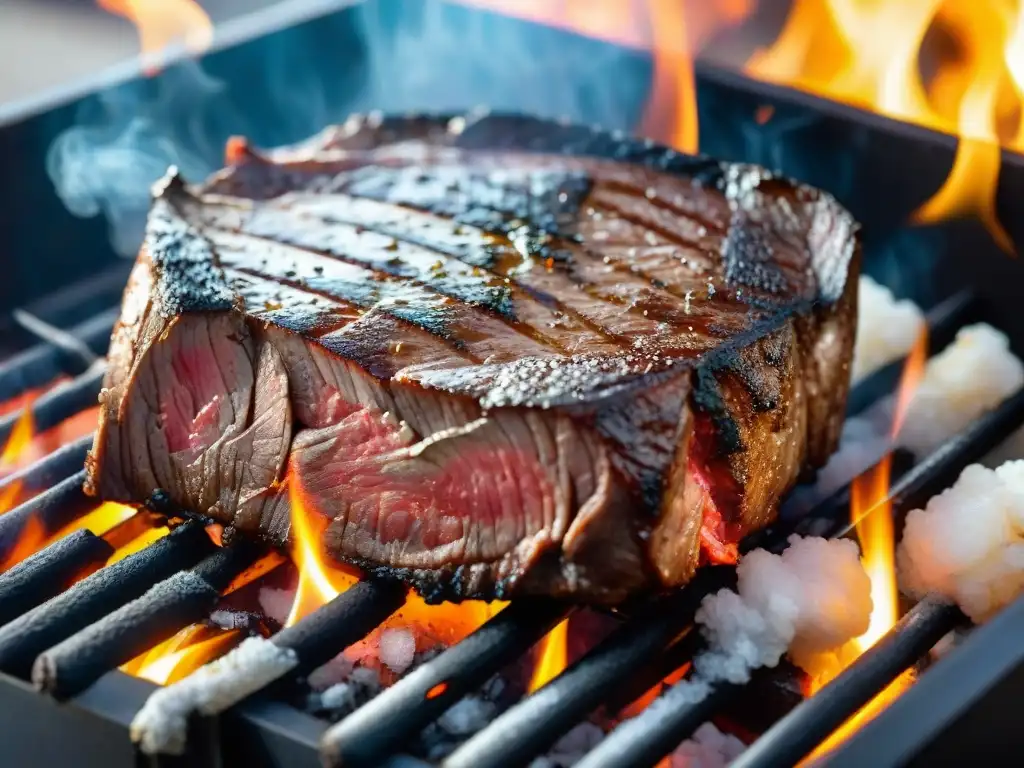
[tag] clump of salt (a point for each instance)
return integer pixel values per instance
(571, 748)
(396, 649)
(707, 748)
(887, 328)
(968, 378)
(967, 544)
(811, 599)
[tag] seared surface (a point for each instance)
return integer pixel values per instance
(496, 355)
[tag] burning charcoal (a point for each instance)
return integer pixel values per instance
(770, 694)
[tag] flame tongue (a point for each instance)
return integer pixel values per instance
(162, 23)
(319, 582)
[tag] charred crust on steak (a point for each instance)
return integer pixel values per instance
(187, 273)
(652, 341)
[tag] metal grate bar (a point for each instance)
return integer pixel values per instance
(44, 362)
(95, 596)
(539, 720)
(59, 403)
(347, 619)
(182, 599)
(382, 725)
(45, 574)
(51, 510)
(660, 731)
(798, 733)
(964, 711)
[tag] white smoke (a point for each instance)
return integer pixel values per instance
(390, 55)
(107, 164)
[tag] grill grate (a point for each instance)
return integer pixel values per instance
(117, 612)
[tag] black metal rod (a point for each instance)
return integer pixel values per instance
(59, 403)
(44, 362)
(36, 579)
(50, 510)
(940, 469)
(379, 728)
(347, 619)
(51, 469)
(807, 726)
(94, 597)
(74, 664)
(943, 321)
(539, 720)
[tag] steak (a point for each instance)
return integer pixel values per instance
(493, 355)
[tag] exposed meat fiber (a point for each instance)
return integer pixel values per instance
(497, 355)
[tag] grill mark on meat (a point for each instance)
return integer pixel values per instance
(450, 288)
(497, 259)
(459, 325)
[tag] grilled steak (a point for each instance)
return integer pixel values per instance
(497, 355)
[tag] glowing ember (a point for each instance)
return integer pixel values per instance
(552, 656)
(161, 23)
(319, 581)
(257, 570)
(140, 542)
(183, 654)
(99, 520)
(25, 446)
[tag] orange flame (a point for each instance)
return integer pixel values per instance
(673, 86)
(319, 581)
(868, 53)
(871, 514)
(183, 654)
(17, 442)
(552, 659)
(162, 23)
(100, 520)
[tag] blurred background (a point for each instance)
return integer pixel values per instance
(49, 43)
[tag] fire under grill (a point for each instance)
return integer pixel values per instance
(86, 593)
(78, 636)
